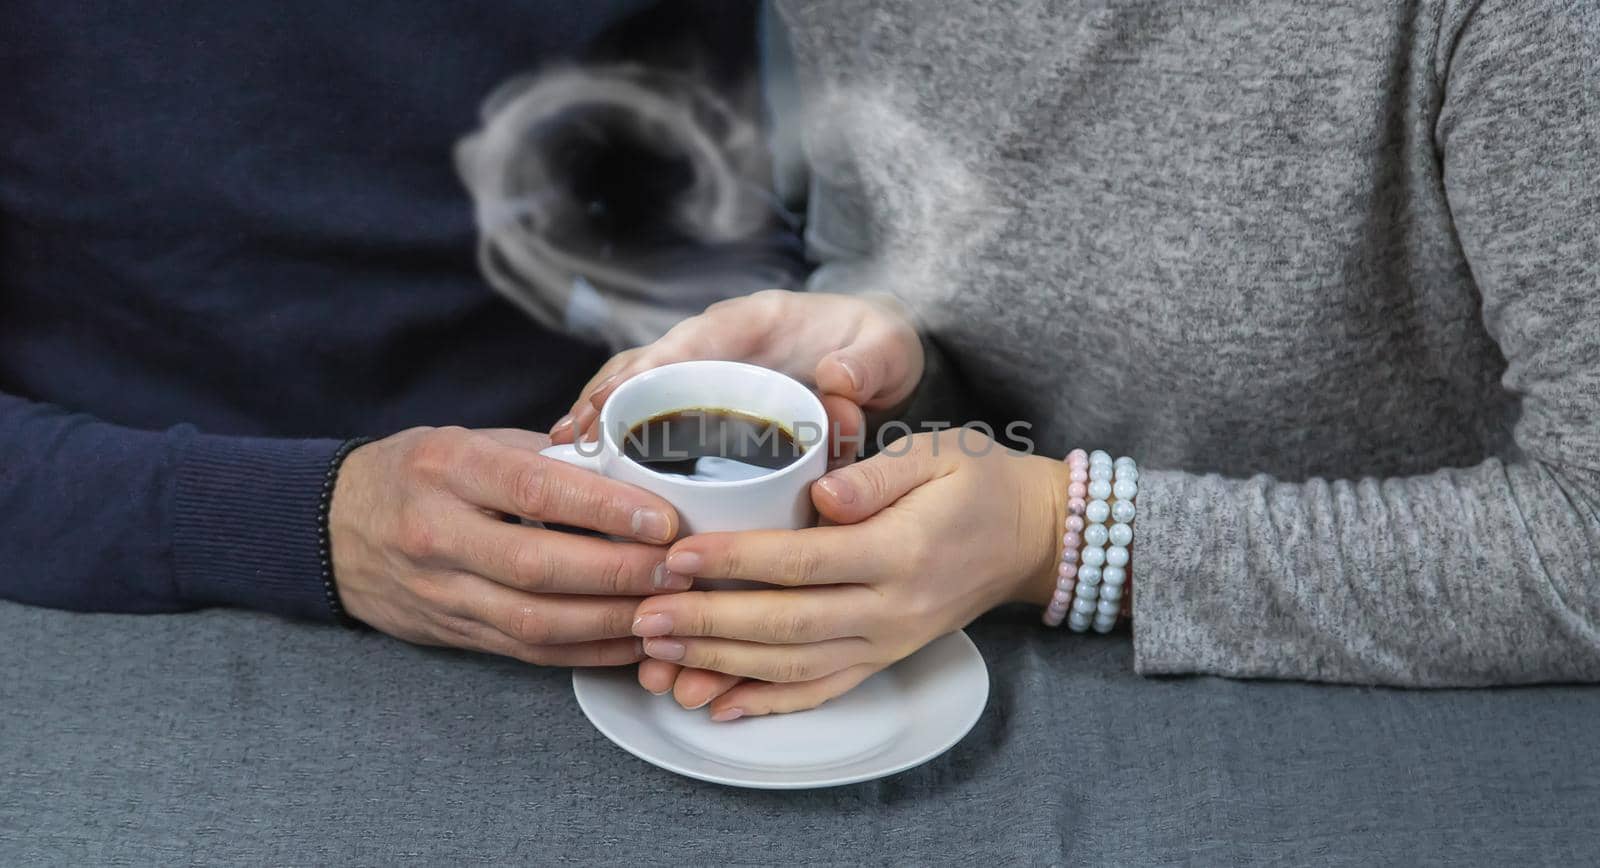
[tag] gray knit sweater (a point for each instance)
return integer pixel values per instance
(1331, 271)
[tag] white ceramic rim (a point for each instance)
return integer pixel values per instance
(810, 399)
(955, 735)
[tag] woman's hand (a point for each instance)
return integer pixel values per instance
(861, 353)
(930, 534)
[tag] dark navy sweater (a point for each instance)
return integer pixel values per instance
(231, 237)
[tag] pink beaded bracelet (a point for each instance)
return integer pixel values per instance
(1071, 539)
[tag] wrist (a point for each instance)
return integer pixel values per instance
(1048, 501)
(332, 484)
(347, 502)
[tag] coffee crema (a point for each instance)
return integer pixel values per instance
(711, 444)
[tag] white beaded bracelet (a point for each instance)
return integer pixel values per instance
(1114, 574)
(1089, 604)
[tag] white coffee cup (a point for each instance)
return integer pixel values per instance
(778, 500)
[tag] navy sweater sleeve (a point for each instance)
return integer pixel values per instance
(105, 518)
(232, 229)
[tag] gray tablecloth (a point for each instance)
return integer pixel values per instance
(230, 737)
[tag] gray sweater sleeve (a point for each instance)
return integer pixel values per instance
(1481, 575)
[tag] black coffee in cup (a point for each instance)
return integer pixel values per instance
(711, 444)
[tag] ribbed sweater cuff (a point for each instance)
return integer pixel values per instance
(1189, 588)
(246, 528)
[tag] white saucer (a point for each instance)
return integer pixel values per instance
(900, 718)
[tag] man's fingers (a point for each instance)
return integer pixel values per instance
(551, 562)
(864, 489)
(754, 660)
(529, 441)
(773, 617)
(813, 556)
(604, 652)
(512, 480)
(756, 698)
(545, 619)
(607, 652)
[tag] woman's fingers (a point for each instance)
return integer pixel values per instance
(772, 617)
(696, 687)
(864, 350)
(657, 676)
(691, 688)
(756, 698)
(846, 425)
(813, 556)
(586, 413)
(728, 330)
(861, 490)
(874, 371)
(880, 362)
(565, 431)
(782, 663)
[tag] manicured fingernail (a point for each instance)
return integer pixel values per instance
(562, 424)
(728, 714)
(652, 624)
(661, 692)
(601, 389)
(842, 492)
(852, 370)
(685, 563)
(663, 579)
(664, 649)
(583, 423)
(651, 524)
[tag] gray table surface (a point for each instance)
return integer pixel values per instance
(226, 737)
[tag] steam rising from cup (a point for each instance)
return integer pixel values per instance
(612, 202)
(895, 207)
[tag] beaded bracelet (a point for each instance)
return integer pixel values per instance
(1067, 573)
(324, 543)
(1125, 487)
(1091, 580)
(1092, 559)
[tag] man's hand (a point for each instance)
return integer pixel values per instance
(421, 549)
